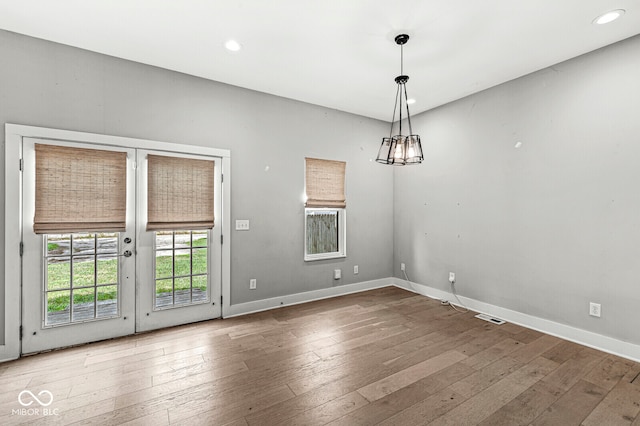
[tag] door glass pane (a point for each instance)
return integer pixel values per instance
(199, 239)
(199, 261)
(182, 263)
(164, 264)
(181, 270)
(164, 292)
(199, 288)
(58, 307)
(58, 245)
(83, 304)
(59, 272)
(107, 244)
(107, 301)
(107, 269)
(81, 269)
(183, 290)
(164, 240)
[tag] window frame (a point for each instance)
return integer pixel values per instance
(342, 234)
(72, 287)
(173, 276)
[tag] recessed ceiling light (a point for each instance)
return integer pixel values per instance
(611, 16)
(233, 45)
(411, 101)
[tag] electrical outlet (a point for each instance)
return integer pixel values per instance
(252, 284)
(452, 277)
(337, 274)
(594, 309)
(355, 269)
(402, 268)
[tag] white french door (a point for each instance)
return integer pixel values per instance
(179, 274)
(76, 288)
(79, 288)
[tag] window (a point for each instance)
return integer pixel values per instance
(324, 233)
(181, 212)
(81, 279)
(325, 209)
(80, 207)
(182, 270)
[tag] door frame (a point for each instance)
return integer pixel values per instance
(11, 349)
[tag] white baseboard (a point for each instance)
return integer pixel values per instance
(593, 340)
(308, 296)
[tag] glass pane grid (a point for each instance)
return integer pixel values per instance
(181, 261)
(81, 282)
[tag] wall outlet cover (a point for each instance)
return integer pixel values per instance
(242, 225)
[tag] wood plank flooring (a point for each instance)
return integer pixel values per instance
(385, 356)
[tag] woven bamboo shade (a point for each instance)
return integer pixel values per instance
(324, 183)
(180, 193)
(79, 190)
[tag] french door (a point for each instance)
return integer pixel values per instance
(178, 280)
(76, 288)
(90, 286)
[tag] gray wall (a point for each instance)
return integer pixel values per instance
(546, 228)
(542, 229)
(51, 85)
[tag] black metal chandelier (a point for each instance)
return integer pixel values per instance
(401, 150)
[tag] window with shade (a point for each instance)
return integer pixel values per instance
(80, 208)
(180, 211)
(325, 209)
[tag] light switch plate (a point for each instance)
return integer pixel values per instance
(242, 225)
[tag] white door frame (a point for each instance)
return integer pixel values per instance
(13, 213)
(37, 336)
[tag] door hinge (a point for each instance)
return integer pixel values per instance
(20, 165)
(20, 332)
(21, 248)
(220, 300)
(221, 178)
(221, 239)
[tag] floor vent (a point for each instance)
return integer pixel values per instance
(490, 319)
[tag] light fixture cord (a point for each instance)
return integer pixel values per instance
(401, 84)
(408, 115)
(406, 97)
(395, 106)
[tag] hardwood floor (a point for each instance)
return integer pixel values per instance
(385, 357)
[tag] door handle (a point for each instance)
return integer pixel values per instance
(127, 253)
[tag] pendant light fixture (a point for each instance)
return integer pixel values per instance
(401, 150)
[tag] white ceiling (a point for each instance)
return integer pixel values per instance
(335, 53)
